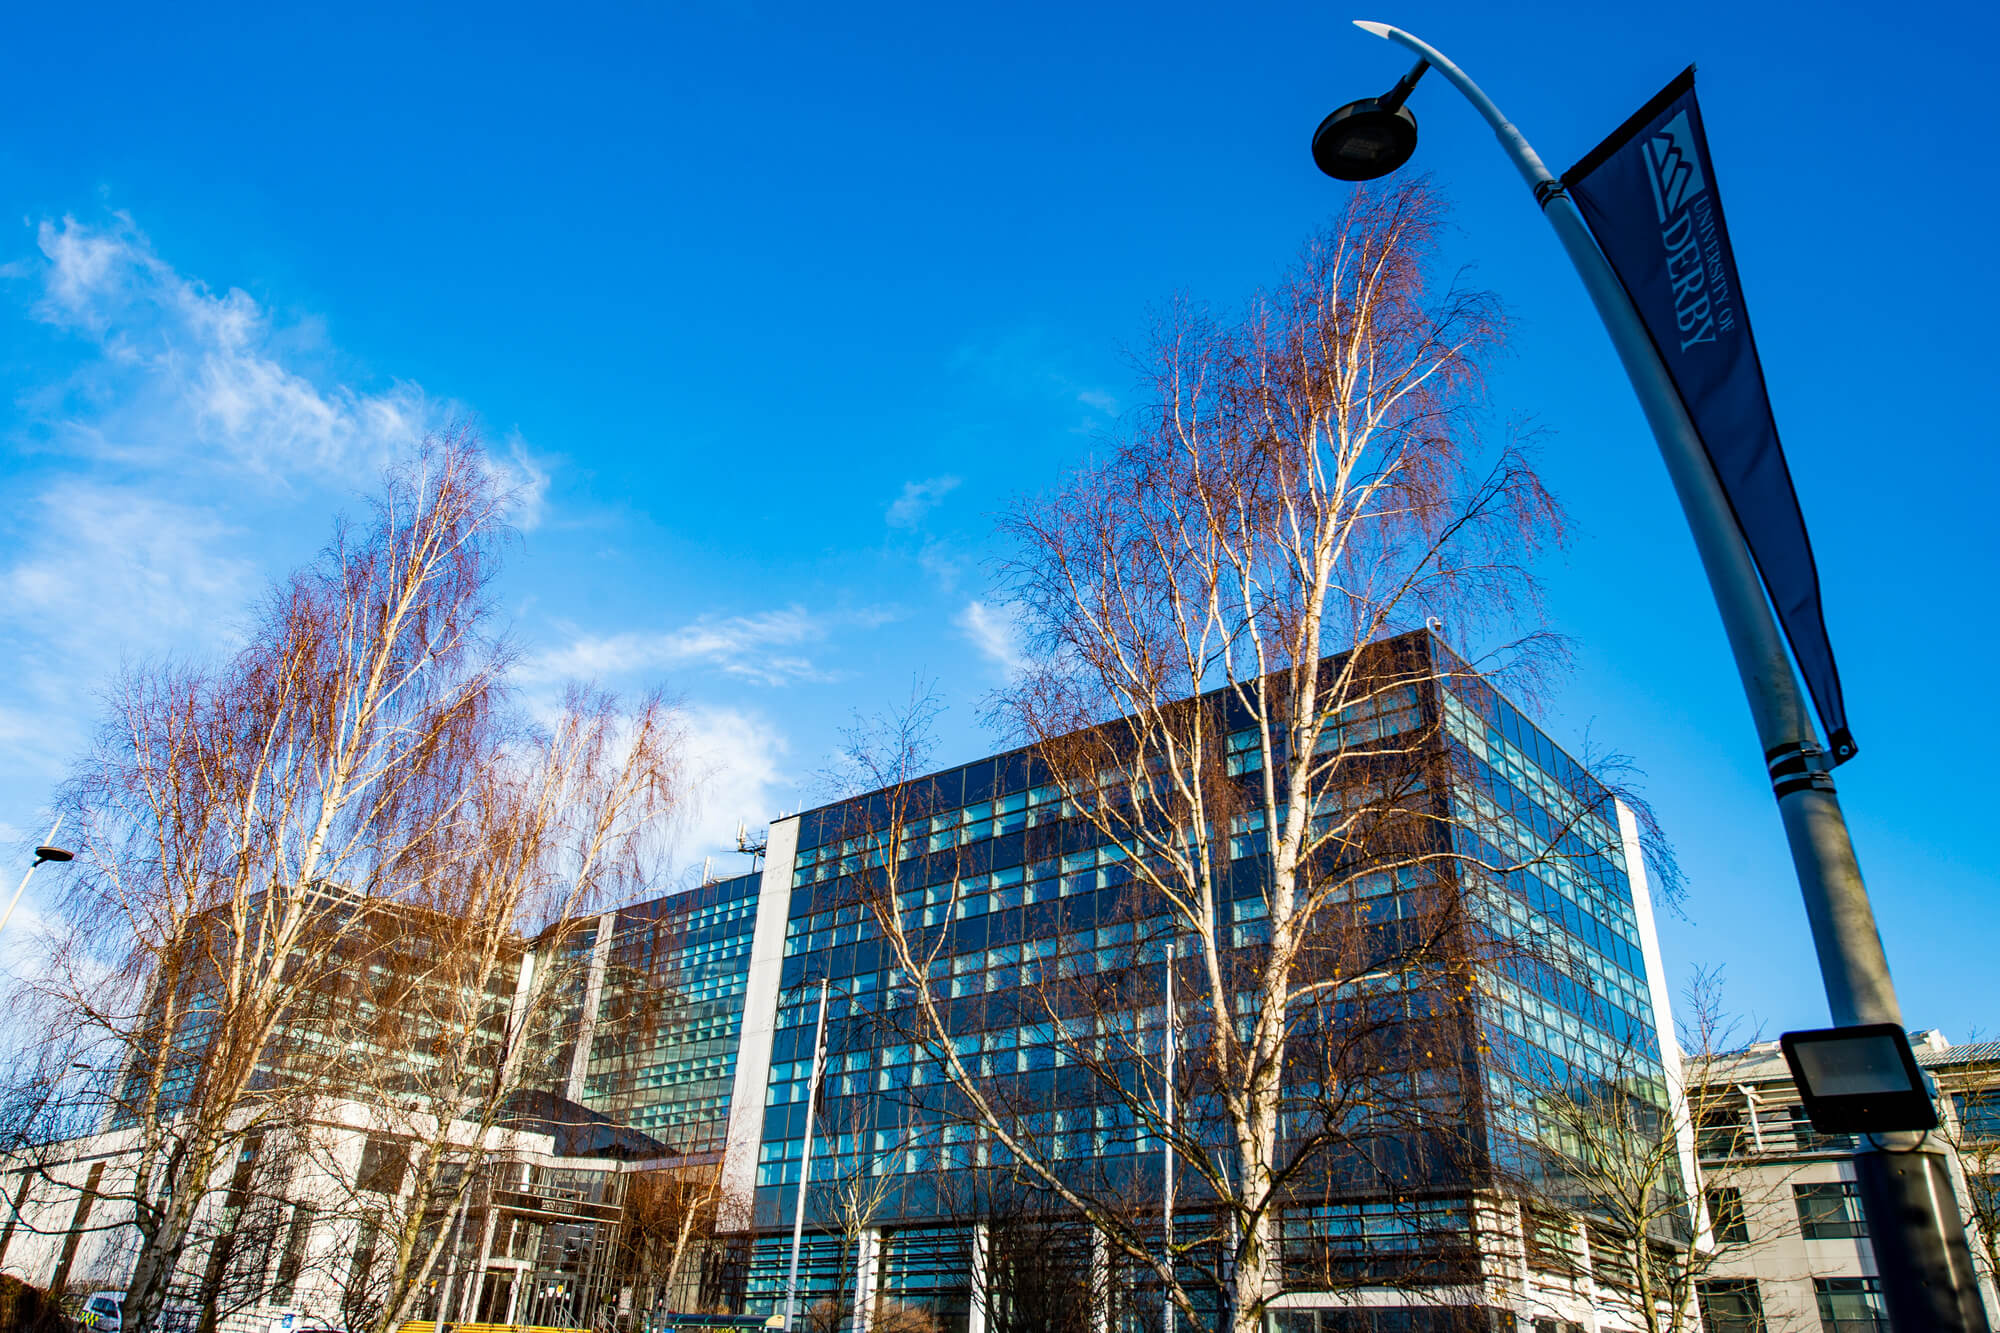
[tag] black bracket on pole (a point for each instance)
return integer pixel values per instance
(1397, 95)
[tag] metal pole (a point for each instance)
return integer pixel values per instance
(805, 1160)
(15, 901)
(451, 1265)
(1853, 966)
(1167, 1157)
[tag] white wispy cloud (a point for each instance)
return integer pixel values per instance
(24, 949)
(918, 499)
(103, 572)
(105, 558)
(186, 372)
(944, 562)
(737, 769)
(764, 648)
(167, 440)
(527, 477)
(994, 634)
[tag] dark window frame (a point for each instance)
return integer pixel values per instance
(1726, 1216)
(1829, 1210)
(1743, 1293)
(1832, 1319)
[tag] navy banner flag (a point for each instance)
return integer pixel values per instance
(1648, 193)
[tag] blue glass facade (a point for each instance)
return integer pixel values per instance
(670, 1013)
(1576, 1007)
(1026, 893)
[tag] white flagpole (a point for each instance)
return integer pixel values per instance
(1167, 1156)
(805, 1160)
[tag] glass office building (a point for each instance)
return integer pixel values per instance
(1544, 862)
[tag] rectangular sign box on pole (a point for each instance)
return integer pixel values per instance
(1860, 1080)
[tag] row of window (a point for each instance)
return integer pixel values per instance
(1040, 881)
(1395, 712)
(1534, 1005)
(946, 829)
(719, 949)
(1412, 1223)
(1827, 1210)
(958, 899)
(1601, 905)
(692, 1126)
(718, 914)
(1486, 743)
(1726, 1131)
(1041, 1045)
(714, 982)
(1845, 1305)
(1606, 962)
(1475, 694)
(714, 987)
(954, 1148)
(928, 1264)
(673, 1072)
(651, 947)
(1607, 969)
(1978, 1112)
(1103, 867)
(1391, 713)
(709, 1031)
(991, 1053)
(1577, 1044)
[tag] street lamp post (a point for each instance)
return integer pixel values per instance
(1369, 139)
(805, 1159)
(43, 853)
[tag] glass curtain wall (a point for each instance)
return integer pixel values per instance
(670, 1014)
(991, 858)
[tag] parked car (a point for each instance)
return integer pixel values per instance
(104, 1311)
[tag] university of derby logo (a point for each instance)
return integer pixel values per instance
(1673, 167)
(1690, 237)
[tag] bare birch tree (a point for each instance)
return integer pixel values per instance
(1057, 1044)
(1211, 700)
(671, 1215)
(552, 823)
(241, 829)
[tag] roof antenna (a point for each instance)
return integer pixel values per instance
(752, 845)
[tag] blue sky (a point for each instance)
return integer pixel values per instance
(771, 307)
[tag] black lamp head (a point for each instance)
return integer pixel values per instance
(53, 854)
(1365, 140)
